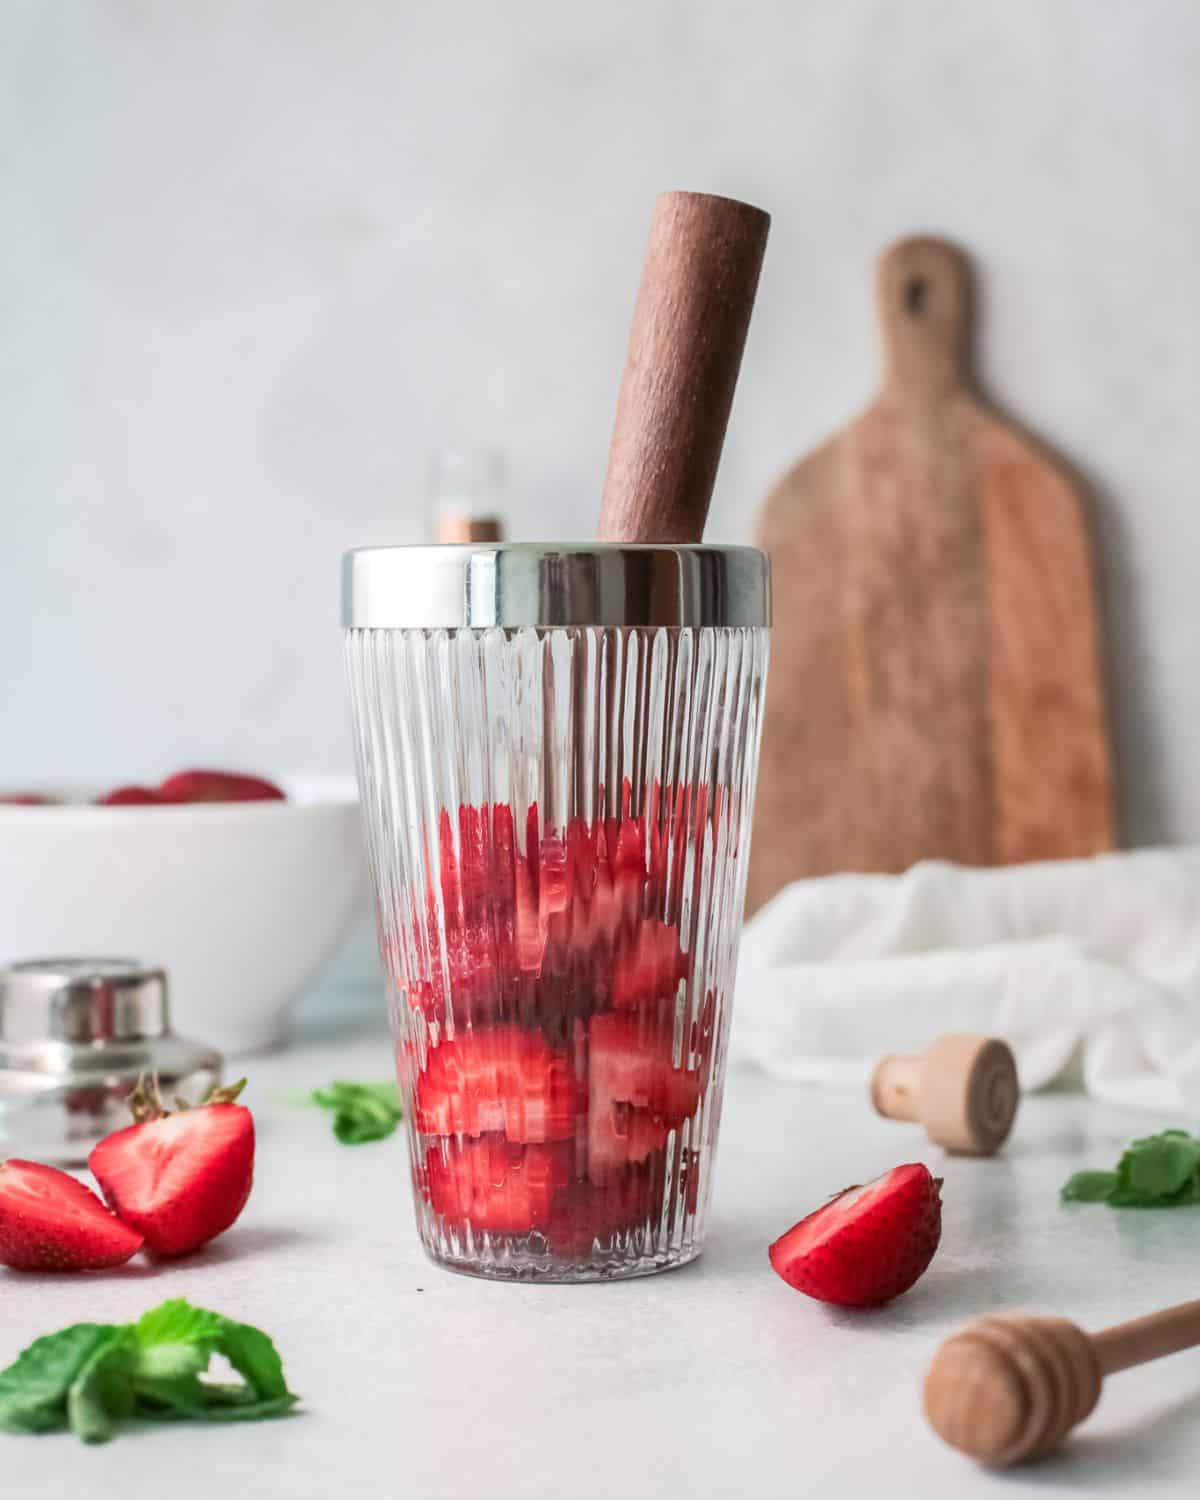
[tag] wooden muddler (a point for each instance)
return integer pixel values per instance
(685, 349)
(963, 1089)
(1008, 1389)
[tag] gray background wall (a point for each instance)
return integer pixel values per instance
(260, 258)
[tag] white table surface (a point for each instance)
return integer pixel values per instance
(712, 1381)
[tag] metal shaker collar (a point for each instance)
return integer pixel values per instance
(548, 585)
(82, 1001)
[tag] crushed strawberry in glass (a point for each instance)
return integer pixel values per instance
(556, 1100)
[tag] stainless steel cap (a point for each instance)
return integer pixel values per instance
(522, 584)
(82, 1001)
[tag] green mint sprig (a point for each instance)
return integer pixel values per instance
(361, 1111)
(1159, 1171)
(92, 1376)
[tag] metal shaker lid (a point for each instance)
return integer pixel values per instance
(76, 1034)
(82, 1001)
(546, 585)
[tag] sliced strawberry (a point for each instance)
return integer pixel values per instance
(565, 926)
(636, 1096)
(650, 967)
(529, 934)
(25, 799)
(218, 786)
(50, 1222)
(587, 1214)
(506, 1081)
(620, 1136)
(868, 1244)
(493, 1186)
(179, 1179)
(631, 1063)
(130, 796)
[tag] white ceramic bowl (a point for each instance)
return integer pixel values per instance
(240, 902)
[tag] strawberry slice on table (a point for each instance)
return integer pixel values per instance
(868, 1244)
(504, 1080)
(495, 1186)
(179, 1179)
(51, 1222)
(218, 786)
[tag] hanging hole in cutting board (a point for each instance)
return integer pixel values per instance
(914, 295)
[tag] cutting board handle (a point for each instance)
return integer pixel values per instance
(923, 286)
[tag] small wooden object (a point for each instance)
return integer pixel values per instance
(936, 686)
(963, 1089)
(1008, 1388)
(454, 529)
(685, 349)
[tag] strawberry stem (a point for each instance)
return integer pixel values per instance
(145, 1103)
(227, 1094)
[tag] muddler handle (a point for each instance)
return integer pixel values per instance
(685, 349)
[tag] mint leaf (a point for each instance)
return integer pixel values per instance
(224, 1408)
(34, 1389)
(1089, 1187)
(255, 1358)
(1160, 1165)
(177, 1322)
(177, 1341)
(361, 1111)
(100, 1394)
(93, 1375)
(1157, 1171)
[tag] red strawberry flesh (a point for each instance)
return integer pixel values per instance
(494, 1187)
(129, 796)
(867, 1245)
(181, 1180)
(505, 1080)
(51, 1222)
(541, 1107)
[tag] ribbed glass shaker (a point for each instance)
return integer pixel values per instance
(557, 749)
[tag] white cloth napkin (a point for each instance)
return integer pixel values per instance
(1089, 968)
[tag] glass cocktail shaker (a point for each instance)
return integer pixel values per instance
(557, 749)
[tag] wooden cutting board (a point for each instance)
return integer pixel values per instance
(936, 685)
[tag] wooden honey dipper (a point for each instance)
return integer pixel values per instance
(963, 1089)
(1008, 1389)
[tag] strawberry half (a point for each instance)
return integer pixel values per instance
(504, 1080)
(218, 786)
(50, 1222)
(868, 1244)
(179, 1179)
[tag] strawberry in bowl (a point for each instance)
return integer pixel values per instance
(241, 900)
